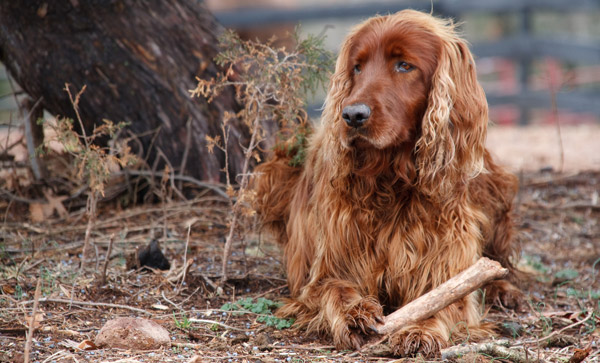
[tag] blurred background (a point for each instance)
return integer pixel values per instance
(538, 61)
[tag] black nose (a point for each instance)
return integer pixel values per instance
(356, 115)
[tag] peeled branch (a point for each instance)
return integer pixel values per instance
(471, 279)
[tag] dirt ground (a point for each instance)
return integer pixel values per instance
(535, 147)
(558, 227)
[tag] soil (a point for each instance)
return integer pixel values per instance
(535, 147)
(558, 228)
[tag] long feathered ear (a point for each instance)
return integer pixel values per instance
(452, 143)
(339, 84)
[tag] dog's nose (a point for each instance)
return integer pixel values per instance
(356, 115)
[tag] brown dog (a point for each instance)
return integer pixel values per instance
(397, 193)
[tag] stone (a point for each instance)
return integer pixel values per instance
(132, 334)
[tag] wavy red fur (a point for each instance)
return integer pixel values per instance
(380, 214)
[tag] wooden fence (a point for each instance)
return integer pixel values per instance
(522, 48)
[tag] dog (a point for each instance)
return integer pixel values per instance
(397, 192)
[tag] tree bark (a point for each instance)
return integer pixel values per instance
(138, 60)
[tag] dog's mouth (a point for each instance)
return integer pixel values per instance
(358, 138)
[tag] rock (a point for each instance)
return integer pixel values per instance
(133, 334)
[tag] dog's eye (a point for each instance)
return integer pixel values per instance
(403, 67)
(357, 69)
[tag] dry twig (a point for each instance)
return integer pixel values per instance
(557, 332)
(110, 244)
(94, 304)
(33, 321)
(498, 349)
(185, 268)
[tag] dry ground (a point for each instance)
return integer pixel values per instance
(559, 232)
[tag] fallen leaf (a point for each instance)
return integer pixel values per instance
(56, 203)
(68, 343)
(65, 291)
(36, 212)
(8, 289)
(39, 317)
(87, 345)
(580, 354)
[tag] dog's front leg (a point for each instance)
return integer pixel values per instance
(337, 307)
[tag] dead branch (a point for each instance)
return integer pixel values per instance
(185, 268)
(215, 187)
(482, 272)
(94, 304)
(34, 135)
(557, 332)
(110, 244)
(236, 210)
(498, 349)
(33, 322)
(92, 202)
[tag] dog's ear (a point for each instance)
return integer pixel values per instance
(451, 147)
(339, 84)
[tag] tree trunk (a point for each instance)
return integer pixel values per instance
(138, 60)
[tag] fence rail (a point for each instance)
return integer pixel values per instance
(523, 47)
(254, 16)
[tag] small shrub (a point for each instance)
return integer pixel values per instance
(566, 274)
(183, 323)
(264, 308)
(271, 84)
(92, 163)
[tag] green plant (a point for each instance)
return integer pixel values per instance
(513, 328)
(49, 282)
(566, 274)
(271, 85)
(581, 294)
(546, 322)
(536, 263)
(184, 323)
(18, 292)
(295, 146)
(262, 307)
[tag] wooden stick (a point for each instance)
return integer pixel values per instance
(482, 272)
(497, 349)
(90, 303)
(33, 321)
(107, 259)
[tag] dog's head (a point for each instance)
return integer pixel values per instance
(390, 66)
(409, 79)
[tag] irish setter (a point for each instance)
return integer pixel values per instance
(397, 193)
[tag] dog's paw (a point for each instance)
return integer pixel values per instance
(365, 315)
(358, 321)
(513, 299)
(504, 294)
(412, 341)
